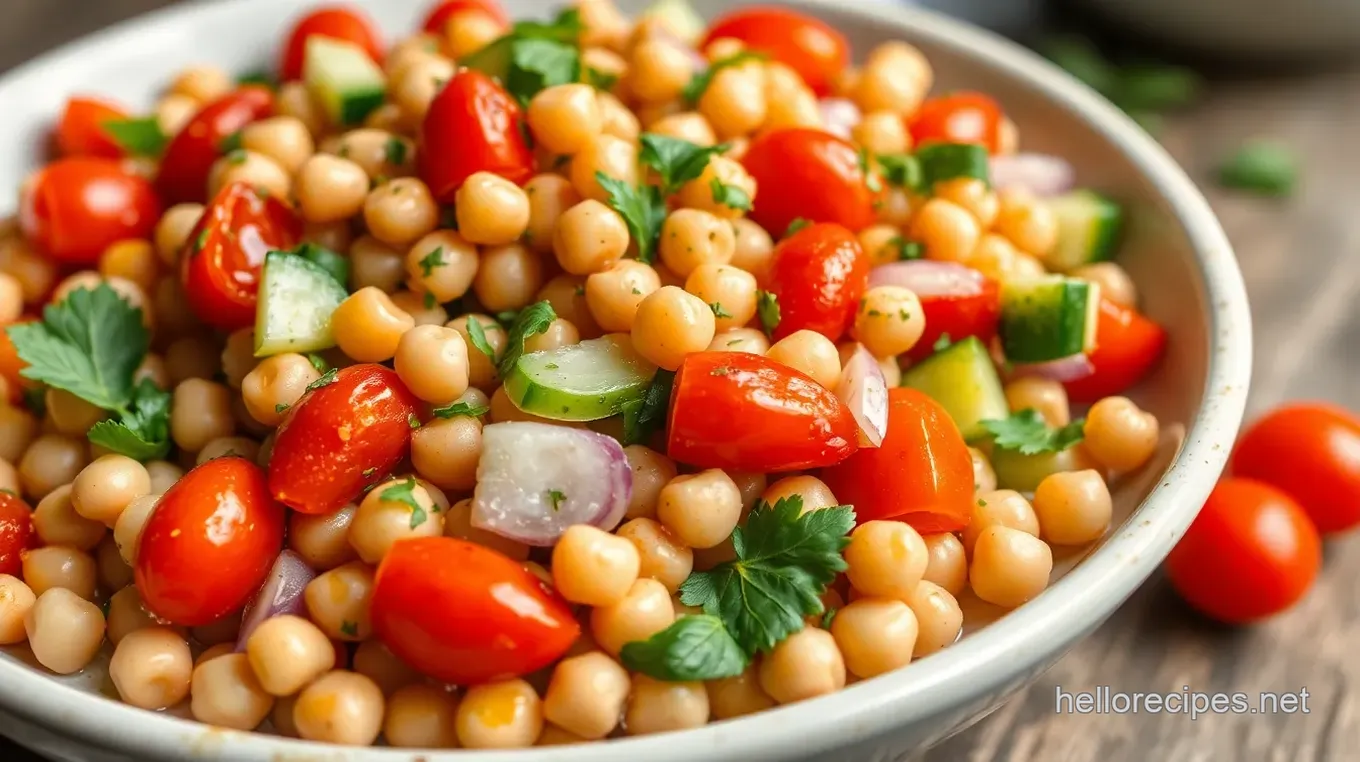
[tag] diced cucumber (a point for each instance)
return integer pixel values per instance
(1047, 317)
(1088, 229)
(677, 17)
(297, 298)
(950, 161)
(963, 380)
(580, 382)
(343, 79)
(1023, 473)
(327, 260)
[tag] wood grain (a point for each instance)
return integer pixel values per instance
(1300, 261)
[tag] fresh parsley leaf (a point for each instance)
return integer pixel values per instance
(35, 399)
(404, 492)
(565, 27)
(767, 309)
(139, 137)
(785, 559)
(507, 318)
(732, 196)
(536, 65)
(326, 379)
(942, 343)
(412, 421)
(556, 496)
(1027, 433)
(259, 77)
(901, 169)
(828, 618)
(432, 260)
(718, 311)
(700, 82)
(644, 417)
(318, 362)
(1261, 166)
(230, 143)
(143, 432)
(238, 156)
(395, 151)
(907, 250)
(643, 209)
(600, 80)
(871, 178)
(202, 240)
(429, 301)
(530, 321)
(694, 647)
(281, 407)
(478, 337)
(349, 629)
(677, 161)
(798, 224)
(367, 472)
(460, 408)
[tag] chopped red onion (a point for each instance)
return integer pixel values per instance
(864, 390)
(1041, 174)
(281, 594)
(1065, 369)
(928, 278)
(839, 116)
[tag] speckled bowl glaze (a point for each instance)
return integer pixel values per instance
(1175, 250)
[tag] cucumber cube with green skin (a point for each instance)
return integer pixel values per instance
(580, 382)
(296, 300)
(963, 379)
(343, 79)
(1023, 473)
(1088, 230)
(1047, 317)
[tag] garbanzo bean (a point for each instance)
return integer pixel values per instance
(1119, 435)
(56, 566)
(225, 692)
(188, 358)
(16, 600)
(375, 150)
(200, 411)
(294, 100)
(172, 307)
(368, 326)
(938, 618)
(882, 132)
(662, 556)
(491, 210)
(71, 415)
(565, 117)
(467, 32)
(400, 211)
(442, 263)
(656, 706)
(105, 487)
(971, 194)
(995, 256)
(616, 119)
(651, 471)
(421, 717)
(947, 565)
(886, 559)
(643, 612)
(734, 101)
(151, 668)
(549, 196)
(501, 715)
(287, 652)
(804, 665)
(64, 630)
(1073, 507)
(133, 260)
(18, 428)
(49, 462)
(559, 333)
(285, 139)
(729, 291)
(1009, 567)
(56, 521)
(422, 308)
(589, 238)
(340, 707)
(458, 523)
(811, 353)
(812, 491)
(1005, 507)
(750, 340)
(883, 243)
(875, 635)
(1047, 397)
(508, 277)
(689, 126)
(1026, 221)
(127, 531)
(670, 324)
(338, 601)
(275, 385)
(374, 263)
(373, 660)
(34, 271)
(613, 295)
(202, 82)
(481, 369)
(330, 188)
(895, 77)
(394, 510)
(415, 86)
(238, 356)
(114, 573)
(605, 153)
(174, 111)
(433, 362)
(659, 70)
(737, 696)
(446, 451)
(889, 321)
(701, 509)
(322, 539)
(127, 614)
(258, 171)
(593, 567)
(586, 695)
(949, 232)
(567, 296)
(1114, 282)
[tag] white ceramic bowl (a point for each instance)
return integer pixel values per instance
(1174, 249)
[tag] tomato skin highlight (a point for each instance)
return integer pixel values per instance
(1250, 553)
(960, 117)
(439, 15)
(742, 411)
(473, 125)
(1128, 345)
(922, 473)
(809, 174)
(74, 208)
(818, 275)
(340, 438)
(805, 44)
(1310, 451)
(16, 533)
(80, 131)
(191, 152)
(222, 275)
(209, 543)
(465, 614)
(960, 317)
(338, 22)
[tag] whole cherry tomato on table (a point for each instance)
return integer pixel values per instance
(473, 125)
(805, 44)
(342, 23)
(80, 131)
(190, 154)
(742, 411)
(807, 173)
(74, 208)
(818, 274)
(439, 16)
(922, 473)
(1312, 452)
(975, 311)
(225, 252)
(16, 532)
(961, 117)
(209, 543)
(1251, 552)
(340, 438)
(1127, 346)
(464, 614)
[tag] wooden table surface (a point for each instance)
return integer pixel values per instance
(1301, 259)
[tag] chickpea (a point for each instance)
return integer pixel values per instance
(338, 601)
(223, 630)
(1010, 567)
(190, 358)
(1005, 507)
(421, 717)
(238, 356)
(288, 652)
(285, 139)
(433, 362)
(151, 668)
(659, 70)
(1073, 507)
(1114, 282)
(202, 82)
(442, 263)
(738, 696)
(995, 256)
(254, 169)
(734, 101)
(502, 715)
(971, 194)
(655, 706)
(1047, 397)
(811, 353)
(670, 324)
(368, 326)
(133, 260)
(549, 196)
(422, 308)
(415, 86)
(616, 119)
(813, 492)
(70, 414)
(127, 614)
(614, 157)
(643, 612)
(340, 707)
(174, 111)
(56, 522)
(64, 630)
(651, 472)
(698, 193)
(895, 77)
(1119, 435)
(938, 617)
(469, 31)
(394, 510)
(689, 126)
(1027, 221)
(377, 152)
(491, 210)
(294, 100)
(882, 132)
(200, 411)
(949, 232)
(564, 118)
(662, 556)
(458, 523)
(224, 691)
(691, 238)
(57, 566)
(586, 695)
(127, 531)
(886, 559)
(804, 665)
(322, 540)
(889, 321)
(613, 295)
(401, 210)
(51, 461)
(508, 278)
(373, 660)
(875, 635)
(749, 340)
(446, 452)
(883, 243)
(114, 573)
(589, 238)
(593, 567)
(18, 428)
(560, 333)
(378, 265)
(334, 236)
(275, 385)
(330, 188)
(34, 271)
(16, 601)
(701, 509)
(753, 249)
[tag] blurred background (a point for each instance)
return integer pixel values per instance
(1221, 83)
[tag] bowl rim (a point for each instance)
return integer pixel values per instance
(983, 662)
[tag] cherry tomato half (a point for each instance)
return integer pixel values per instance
(1250, 553)
(464, 614)
(11, 364)
(1312, 452)
(818, 275)
(922, 473)
(973, 313)
(75, 207)
(807, 173)
(190, 154)
(225, 251)
(473, 125)
(805, 44)
(209, 543)
(338, 22)
(80, 132)
(438, 19)
(341, 438)
(16, 532)
(746, 412)
(1127, 346)
(961, 117)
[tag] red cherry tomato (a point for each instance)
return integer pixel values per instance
(11, 365)
(746, 412)
(473, 125)
(439, 15)
(80, 132)
(818, 275)
(1311, 452)
(341, 438)
(209, 543)
(464, 614)
(922, 473)
(805, 44)
(811, 174)
(960, 315)
(225, 251)
(16, 532)
(1127, 346)
(190, 155)
(75, 207)
(962, 117)
(1250, 553)
(344, 23)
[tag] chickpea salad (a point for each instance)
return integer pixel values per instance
(526, 383)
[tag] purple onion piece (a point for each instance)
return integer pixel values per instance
(929, 278)
(839, 116)
(864, 391)
(1070, 368)
(1041, 174)
(281, 594)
